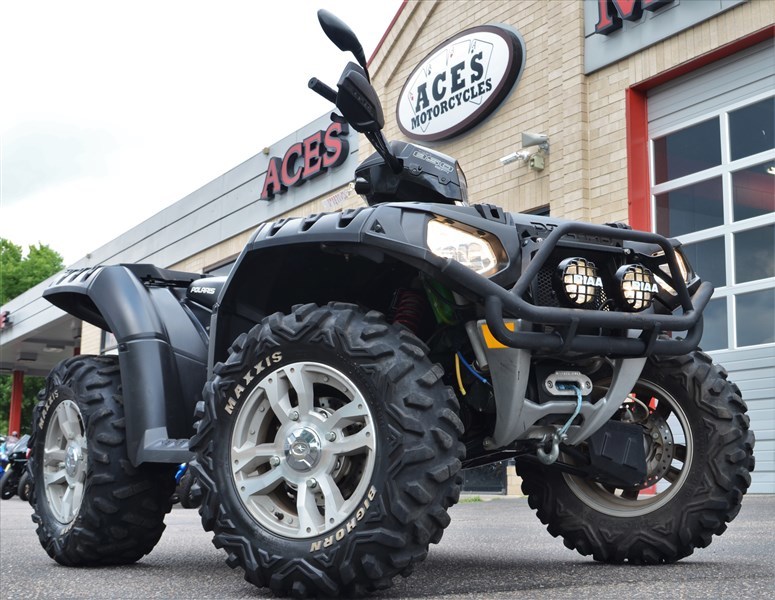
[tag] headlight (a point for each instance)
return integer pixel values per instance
(665, 268)
(579, 282)
(637, 286)
(447, 241)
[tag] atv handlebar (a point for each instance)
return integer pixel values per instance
(321, 88)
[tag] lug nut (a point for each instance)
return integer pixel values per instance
(312, 483)
(274, 461)
(331, 436)
(293, 415)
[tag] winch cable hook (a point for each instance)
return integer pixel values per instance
(559, 436)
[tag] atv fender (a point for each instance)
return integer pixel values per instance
(162, 349)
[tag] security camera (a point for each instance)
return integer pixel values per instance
(514, 157)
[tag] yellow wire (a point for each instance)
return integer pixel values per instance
(457, 372)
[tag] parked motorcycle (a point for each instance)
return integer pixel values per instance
(15, 471)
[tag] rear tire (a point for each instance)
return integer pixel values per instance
(91, 505)
(700, 457)
(328, 452)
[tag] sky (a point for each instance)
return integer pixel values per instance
(112, 110)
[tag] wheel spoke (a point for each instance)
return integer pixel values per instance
(355, 443)
(352, 412)
(53, 457)
(631, 494)
(69, 422)
(276, 390)
(302, 385)
(248, 457)
(54, 477)
(680, 452)
(78, 489)
(332, 497)
(68, 503)
(310, 519)
(672, 474)
(262, 484)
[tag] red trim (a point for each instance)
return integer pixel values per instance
(638, 183)
(638, 187)
(17, 387)
(387, 31)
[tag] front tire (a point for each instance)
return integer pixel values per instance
(25, 486)
(700, 455)
(328, 452)
(91, 505)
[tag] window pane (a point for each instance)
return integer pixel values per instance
(755, 254)
(714, 320)
(691, 208)
(753, 192)
(752, 129)
(688, 151)
(707, 258)
(756, 318)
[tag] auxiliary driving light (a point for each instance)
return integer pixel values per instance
(637, 285)
(579, 281)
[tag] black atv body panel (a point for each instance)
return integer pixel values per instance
(162, 347)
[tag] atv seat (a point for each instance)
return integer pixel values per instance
(206, 291)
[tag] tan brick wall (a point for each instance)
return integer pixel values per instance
(91, 338)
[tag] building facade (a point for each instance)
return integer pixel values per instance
(657, 113)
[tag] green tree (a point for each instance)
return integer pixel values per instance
(18, 273)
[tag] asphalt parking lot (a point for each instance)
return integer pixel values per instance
(494, 549)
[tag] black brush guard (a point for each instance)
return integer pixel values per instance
(501, 303)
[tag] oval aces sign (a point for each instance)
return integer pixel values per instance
(460, 83)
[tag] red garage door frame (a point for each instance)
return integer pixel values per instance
(637, 126)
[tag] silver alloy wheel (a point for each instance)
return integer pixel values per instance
(64, 461)
(669, 454)
(303, 450)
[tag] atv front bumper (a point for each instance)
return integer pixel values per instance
(648, 328)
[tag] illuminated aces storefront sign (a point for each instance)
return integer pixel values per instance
(460, 83)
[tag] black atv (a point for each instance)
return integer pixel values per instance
(335, 384)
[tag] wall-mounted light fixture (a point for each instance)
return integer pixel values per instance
(535, 160)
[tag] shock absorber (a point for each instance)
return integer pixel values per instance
(409, 309)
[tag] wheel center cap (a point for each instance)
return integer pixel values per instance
(73, 458)
(302, 449)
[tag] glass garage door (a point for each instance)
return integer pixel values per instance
(712, 151)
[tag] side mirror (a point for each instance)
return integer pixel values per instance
(342, 36)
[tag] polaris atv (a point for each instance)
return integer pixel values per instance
(335, 384)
